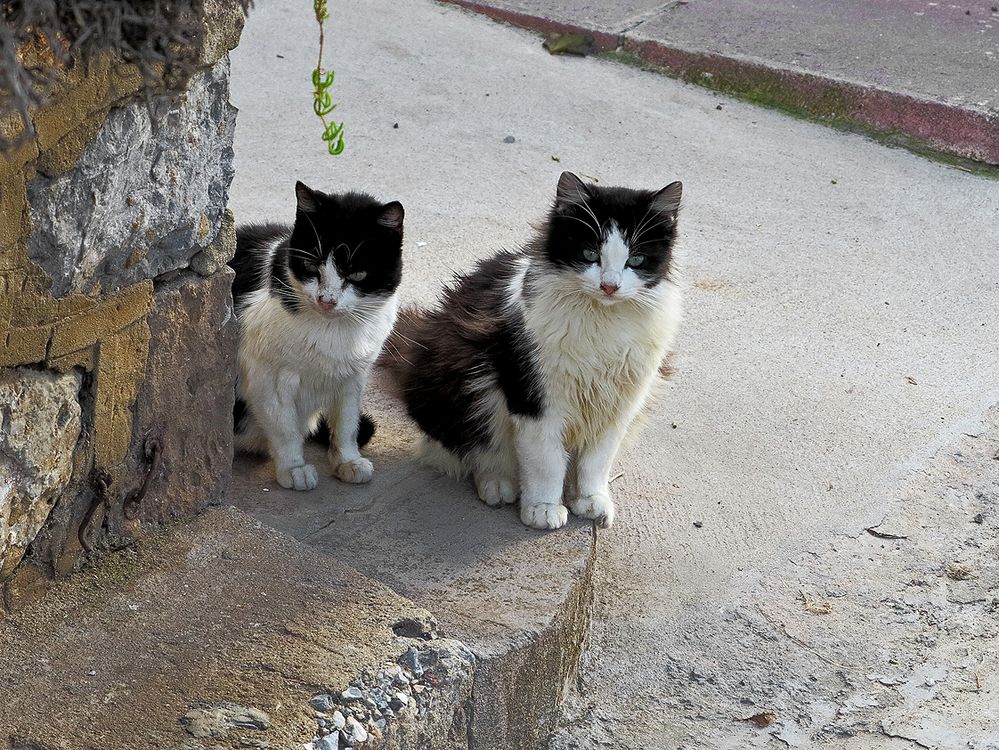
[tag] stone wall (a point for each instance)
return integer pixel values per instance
(116, 330)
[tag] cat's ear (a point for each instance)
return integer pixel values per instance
(571, 191)
(667, 201)
(391, 216)
(308, 199)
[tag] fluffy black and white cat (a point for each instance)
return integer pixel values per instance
(315, 303)
(535, 365)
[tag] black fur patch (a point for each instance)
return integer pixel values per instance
(472, 334)
(365, 426)
(365, 431)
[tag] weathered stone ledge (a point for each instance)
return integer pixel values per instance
(223, 633)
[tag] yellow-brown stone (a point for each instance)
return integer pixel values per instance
(63, 155)
(87, 90)
(107, 317)
(13, 214)
(120, 369)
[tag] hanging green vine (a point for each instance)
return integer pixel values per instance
(322, 102)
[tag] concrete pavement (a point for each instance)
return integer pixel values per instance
(916, 73)
(840, 332)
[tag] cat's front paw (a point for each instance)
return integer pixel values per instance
(298, 477)
(544, 515)
(357, 471)
(495, 490)
(599, 507)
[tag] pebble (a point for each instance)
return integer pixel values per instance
(356, 733)
(509, 139)
(329, 742)
(352, 694)
(412, 660)
(698, 524)
(323, 702)
(979, 518)
(338, 720)
(399, 701)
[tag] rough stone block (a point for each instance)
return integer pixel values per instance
(12, 208)
(24, 345)
(214, 257)
(39, 428)
(147, 194)
(62, 156)
(223, 20)
(185, 402)
(120, 371)
(108, 317)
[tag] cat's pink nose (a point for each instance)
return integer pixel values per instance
(609, 289)
(327, 305)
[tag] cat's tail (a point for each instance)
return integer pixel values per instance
(365, 431)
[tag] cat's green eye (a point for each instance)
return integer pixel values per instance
(634, 261)
(357, 276)
(590, 255)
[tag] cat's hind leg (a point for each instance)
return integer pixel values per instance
(494, 467)
(495, 476)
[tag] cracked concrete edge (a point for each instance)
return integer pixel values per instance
(504, 701)
(515, 703)
(960, 137)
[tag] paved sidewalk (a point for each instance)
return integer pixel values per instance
(917, 73)
(840, 329)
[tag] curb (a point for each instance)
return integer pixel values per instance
(929, 128)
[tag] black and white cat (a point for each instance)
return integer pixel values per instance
(534, 366)
(315, 303)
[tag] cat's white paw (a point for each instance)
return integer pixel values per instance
(544, 515)
(298, 477)
(599, 507)
(357, 471)
(495, 490)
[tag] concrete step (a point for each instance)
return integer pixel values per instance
(910, 73)
(219, 634)
(517, 598)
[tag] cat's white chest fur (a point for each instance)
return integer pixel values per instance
(309, 343)
(598, 362)
(309, 355)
